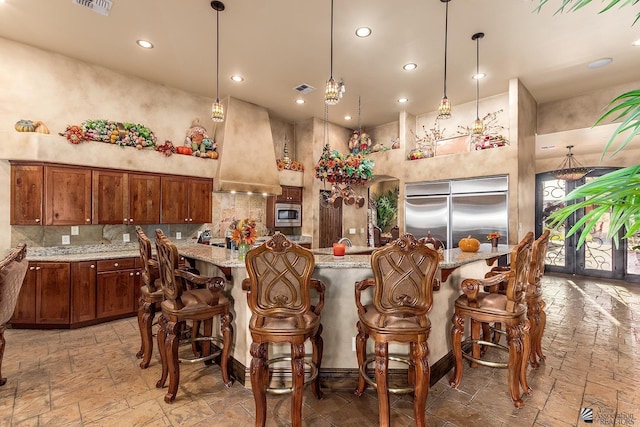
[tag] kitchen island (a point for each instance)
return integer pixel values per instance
(339, 315)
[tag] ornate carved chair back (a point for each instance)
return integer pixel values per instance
(432, 242)
(172, 285)
(280, 277)
(376, 236)
(149, 273)
(536, 268)
(395, 232)
(517, 285)
(13, 268)
(404, 272)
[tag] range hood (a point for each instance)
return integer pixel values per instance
(247, 161)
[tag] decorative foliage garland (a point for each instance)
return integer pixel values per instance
(335, 167)
(122, 134)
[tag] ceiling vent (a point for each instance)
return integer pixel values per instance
(100, 6)
(304, 88)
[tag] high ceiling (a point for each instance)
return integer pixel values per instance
(281, 44)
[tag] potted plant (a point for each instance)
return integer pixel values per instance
(386, 208)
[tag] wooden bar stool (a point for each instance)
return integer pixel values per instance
(508, 309)
(404, 275)
(278, 296)
(199, 302)
(535, 304)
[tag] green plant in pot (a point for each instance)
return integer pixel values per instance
(618, 192)
(386, 208)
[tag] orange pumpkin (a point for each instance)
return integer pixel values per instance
(213, 154)
(469, 244)
(183, 149)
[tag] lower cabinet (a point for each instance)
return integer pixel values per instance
(83, 291)
(115, 287)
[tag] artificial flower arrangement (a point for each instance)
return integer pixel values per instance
(291, 165)
(336, 167)
(123, 134)
(493, 235)
(426, 145)
(491, 136)
(244, 231)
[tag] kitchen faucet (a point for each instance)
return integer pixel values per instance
(346, 240)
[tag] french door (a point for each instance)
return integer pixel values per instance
(598, 256)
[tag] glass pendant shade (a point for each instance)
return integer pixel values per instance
(444, 109)
(217, 111)
(478, 127)
(332, 92)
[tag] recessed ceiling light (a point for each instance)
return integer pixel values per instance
(403, 100)
(478, 76)
(599, 63)
(347, 117)
(363, 32)
(299, 101)
(636, 43)
(410, 66)
(142, 43)
(237, 78)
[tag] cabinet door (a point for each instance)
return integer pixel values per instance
(270, 216)
(294, 194)
(53, 293)
(144, 199)
(25, 310)
(83, 291)
(175, 209)
(110, 197)
(115, 293)
(67, 195)
(26, 194)
(200, 195)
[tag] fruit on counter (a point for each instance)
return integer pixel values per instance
(25, 126)
(469, 244)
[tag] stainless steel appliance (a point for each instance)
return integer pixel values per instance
(288, 215)
(451, 210)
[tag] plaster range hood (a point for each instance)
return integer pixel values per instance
(247, 161)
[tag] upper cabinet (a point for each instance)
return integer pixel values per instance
(26, 194)
(67, 195)
(186, 200)
(290, 195)
(125, 198)
(144, 199)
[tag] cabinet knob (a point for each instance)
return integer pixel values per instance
(190, 219)
(130, 219)
(137, 273)
(186, 220)
(115, 264)
(93, 266)
(38, 268)
(125, 220)
(37, 219)
(88, 219)
(130, 274)
(32, 268)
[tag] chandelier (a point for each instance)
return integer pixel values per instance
(570, 169)
(444, 109)
(217, 110)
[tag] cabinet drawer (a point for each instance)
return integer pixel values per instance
(115, 264)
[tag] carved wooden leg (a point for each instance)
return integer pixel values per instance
(162, 337)
(3, 381)
(411, 372)
(297, 366)
(456, 341)
(149, 312)
(361, 354)
(526, 349)
(141, 301)
(196, 346)
(419, 356)
(317, 345)
(486, 336)
(541, 325)
(172, 340)
(227, 339)
(475, 336)
(514, 341)
(258, 384)
(533, 314)
(496, 335)
(382, 364)
(205, 346)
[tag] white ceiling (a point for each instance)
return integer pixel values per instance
(277, 45)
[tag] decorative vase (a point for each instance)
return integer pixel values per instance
(494, 242)
(243, 248)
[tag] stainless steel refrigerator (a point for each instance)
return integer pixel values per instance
(451, 210)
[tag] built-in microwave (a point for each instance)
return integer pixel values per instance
(288, 215)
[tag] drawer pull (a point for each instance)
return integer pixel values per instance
(130, 274)
(115, 264)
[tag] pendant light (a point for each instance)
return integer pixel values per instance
(444, 109)
(217, 110)
(478, 125)
(332, 92)
(570, 169)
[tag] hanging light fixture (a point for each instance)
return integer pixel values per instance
(444, 109)
(332, 92)
(217, 110)
(570, 169)
(478, 125)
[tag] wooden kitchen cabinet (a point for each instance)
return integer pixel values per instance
(290, 195)
(67, 195)
(83, 291)
(186, 200)
(26, 194)
(115, 288)
(121, 197)
(45, 295)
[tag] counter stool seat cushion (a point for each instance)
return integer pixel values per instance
(491, 303)
(305, 324)
(393, 323)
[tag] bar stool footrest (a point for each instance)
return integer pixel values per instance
(392, 390)
(313, 374)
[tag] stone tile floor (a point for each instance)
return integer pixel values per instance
(90, 377)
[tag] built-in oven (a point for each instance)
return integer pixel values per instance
(288, 215)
